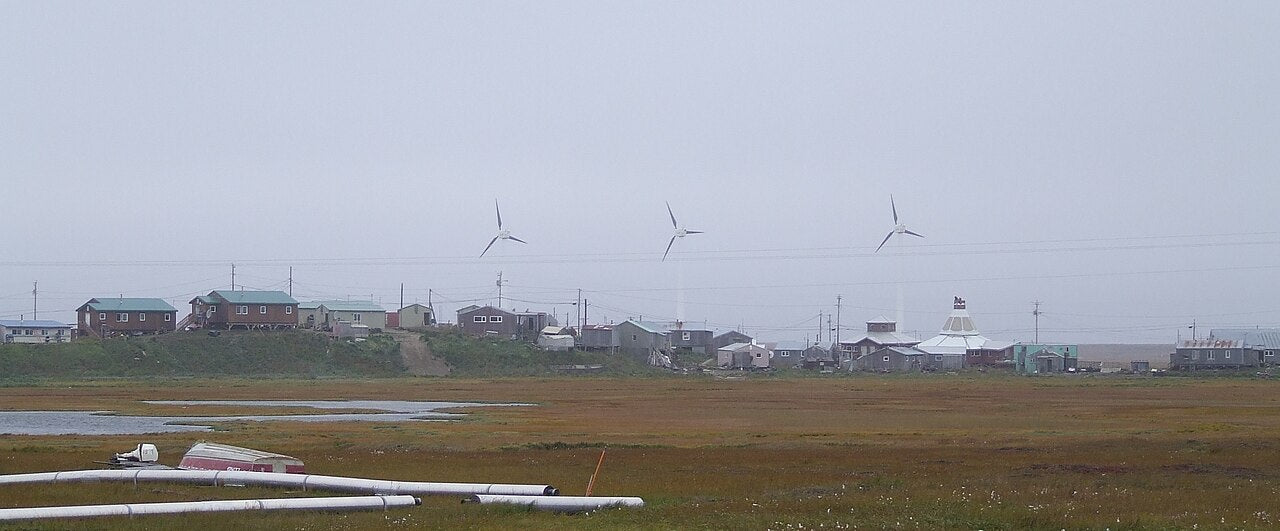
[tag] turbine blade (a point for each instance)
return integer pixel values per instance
(499, 211)
(913, 233)
(517, 239)
(693, 232)
(664, 254)
(673, 216)
(886, 240)
(486, 248)
(895, 209)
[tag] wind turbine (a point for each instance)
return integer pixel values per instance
(898, 228)
(680, 231)
(502, 234)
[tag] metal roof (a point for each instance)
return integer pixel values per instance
(1211, 343)
(739, 346)
(254, 297)
(1266, 338)
(884, 338)
(205, 299)
(792, 345)
(353, 306)
(32, 323)
(652, 328)
(118, 304)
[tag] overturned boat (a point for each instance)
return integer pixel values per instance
(213, 456)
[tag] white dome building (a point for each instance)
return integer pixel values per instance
(960, 339)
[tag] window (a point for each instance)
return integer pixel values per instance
(633, 337)
(102, 316)
(122, 317)
(262, 310)
(1210, 357)
(759, 355)
(684, 336)
(168, 317)
(288, 310)
(1269, 354)
(886, 358)
(786, 353)
(479, 319)
(355, 317)
(242, 310)
(26, 332)
(937, 358)
(142, 317)
(495, 319)
(44, 332)
(213, 309)
(1227, 354)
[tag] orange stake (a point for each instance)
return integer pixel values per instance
(591, 484)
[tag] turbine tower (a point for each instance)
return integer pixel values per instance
(898, 228)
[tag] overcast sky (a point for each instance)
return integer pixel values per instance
(1115, 160)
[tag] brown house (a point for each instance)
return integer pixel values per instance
(244, 309)
(487, 320)
(109, 316)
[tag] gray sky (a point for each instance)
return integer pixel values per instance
(1115, 160)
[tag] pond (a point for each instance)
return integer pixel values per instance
(107, 423)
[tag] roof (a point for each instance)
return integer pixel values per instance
(740, 346)
(32, 323)
(353, 306)
(791, 345)
(423, 306)
(884, 338)
(205, 299)
(1266, 338)
(117, 304)
(732, 332)
(1211, 343)
(882, 320)
(905, 351)
(254, 297)
(650, 327)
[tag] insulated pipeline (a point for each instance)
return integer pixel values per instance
(300, 481)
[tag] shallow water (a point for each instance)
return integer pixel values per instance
(105, 423)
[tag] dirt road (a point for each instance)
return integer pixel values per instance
(417, 355)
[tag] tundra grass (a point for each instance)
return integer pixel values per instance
(940, 451)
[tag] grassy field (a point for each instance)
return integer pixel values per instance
(968, 451)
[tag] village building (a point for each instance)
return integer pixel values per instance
(367, 313)
(598, 337)
(489, 320)
(881, 332)
(789, 354)
(227, 309)
(642, 336)
(110, 316)
(1214, 353)
(1266, 340)
(35, 331)
(891, 359)
(414, 316)
(746, 356)
(959, 342)
(556, 338)
(1045, 359)
(729, 338)
(698, 340)
(817, 357)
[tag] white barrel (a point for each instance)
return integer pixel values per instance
(277, 479)
(559, 503)
(340, 503)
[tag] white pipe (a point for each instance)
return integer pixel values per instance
(302, 481)
(131, 509)
(559, 503)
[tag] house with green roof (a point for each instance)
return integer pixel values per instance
(109, 316)
(368, 313)
(231, 309)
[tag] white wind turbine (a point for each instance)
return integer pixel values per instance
(502, 234)
(680, 232)
(898, 228)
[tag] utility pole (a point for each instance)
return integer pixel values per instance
(499, 289)
(819, 338)
(233, 276)
(35, 299)
(1036, 312)
(290, 281)
(401, 296)
(1193, 329)
(838, 299)
(578, 307)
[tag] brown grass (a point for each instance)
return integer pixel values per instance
(966, 451)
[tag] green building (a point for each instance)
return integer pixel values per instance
(1043, 359)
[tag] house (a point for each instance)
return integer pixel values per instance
(729, 338)
(530, 324)
(642, 336)
(891, 359)
(35, 331)
(596, 337)
(348, 329)
(367, 313)
(960, 337)
(487, 320)
(110, 316)
(1214, 353)
(309, 314)
(1265, 339)
(881, 332)
(742, 356)
(228, 309)
(698, 340)
(1140, 366)
(788, 354)
(415, 316)
(820, 358)
(1042, 359)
